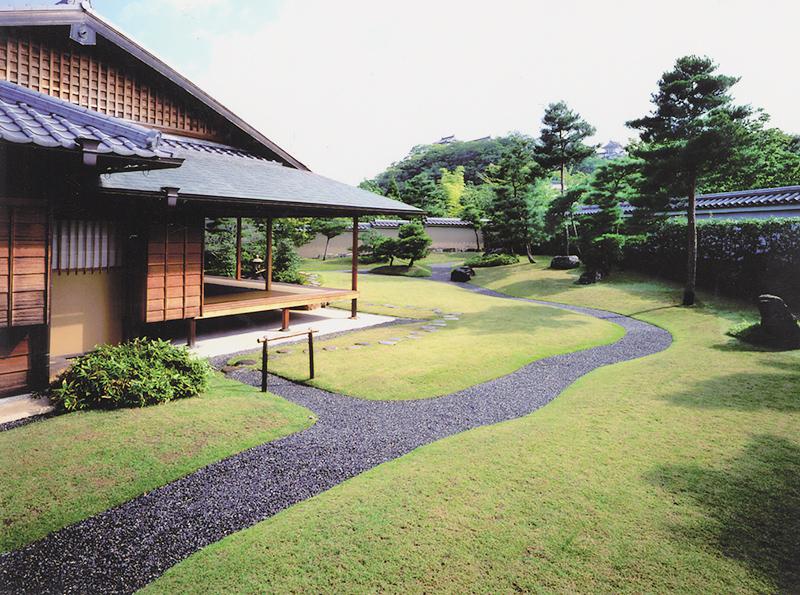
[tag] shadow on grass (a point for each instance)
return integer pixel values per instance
(778, 391)
(752, 507)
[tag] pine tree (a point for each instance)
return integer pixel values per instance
(693, 129)
(561, 143)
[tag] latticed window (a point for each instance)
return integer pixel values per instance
(85, 246)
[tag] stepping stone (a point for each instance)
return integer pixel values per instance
(395, 338)
(283, 351)
(428, 327)
(389, 306)
(246, 362)
(414, 336)
(362, 343)
(356, 347)
(431, 329)
(451, 318)
(228, 369)
(330, 348)
(388, 342)
(439, 323)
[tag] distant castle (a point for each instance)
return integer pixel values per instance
(611, 150)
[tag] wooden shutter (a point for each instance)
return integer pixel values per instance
(23, 266)
(174, 271)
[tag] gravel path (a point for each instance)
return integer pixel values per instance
(126, 547)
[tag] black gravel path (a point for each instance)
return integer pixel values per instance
(126, 547)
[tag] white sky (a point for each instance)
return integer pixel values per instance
(348, 86)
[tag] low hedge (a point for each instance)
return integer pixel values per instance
(738, 257)
(133, 374)
(491, 260)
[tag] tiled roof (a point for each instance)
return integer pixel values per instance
(211, 171)
(446, 222)
(741, 199)
(388, 223)
(760, 197)
(29, 117)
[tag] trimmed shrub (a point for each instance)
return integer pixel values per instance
(738, 257)
(606, 252)
(286, 263)
(134, 374)
(491, 260)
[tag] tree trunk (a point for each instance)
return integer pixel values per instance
(566, 235)
(325, 252)
(691, 247)
(562, 179)
(477, 239)
(528, 252)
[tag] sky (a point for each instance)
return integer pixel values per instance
(349, 86)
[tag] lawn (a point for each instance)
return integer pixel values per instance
(486, 338)
(344, 263)
(64, 469)
(675, 472)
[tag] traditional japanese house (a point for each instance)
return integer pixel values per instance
(110, 163)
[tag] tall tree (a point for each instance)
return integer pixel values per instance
(515, 221)
(330, 228)
(421, 191)
(693, 130)
(615, 181)
(561, 143)
(477, 200)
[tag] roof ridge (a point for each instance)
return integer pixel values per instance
(754, 191)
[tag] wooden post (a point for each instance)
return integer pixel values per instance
(268, 260)
(264, 362)
(238, 248)
(311, 354)
(354, 270)
(285, 319)
(191, 331)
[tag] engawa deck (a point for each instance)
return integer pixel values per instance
(246, 296)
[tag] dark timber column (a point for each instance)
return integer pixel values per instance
(191, 331)
(238, 248)
(354, 270)
(268, 261)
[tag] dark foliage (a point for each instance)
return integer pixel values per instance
(491, 260)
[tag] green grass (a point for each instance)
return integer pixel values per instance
(676, 472)
(491, 338)
(400, 270)
(64, 469)
(344, 263)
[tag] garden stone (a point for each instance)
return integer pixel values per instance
(246, 362)
(589, 277)
(778, 322)
(229, 369)
(362, 343)
(388, 342)
(563, 263)
(284, 351)
(330, 348)
(461, 275)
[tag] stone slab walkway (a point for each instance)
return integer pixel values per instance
(128, 546)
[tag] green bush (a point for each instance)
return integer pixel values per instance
(133, 374)
(738, 257)
(286, 262)
(606, 252)
(491, 260)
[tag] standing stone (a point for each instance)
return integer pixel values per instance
(778, 322)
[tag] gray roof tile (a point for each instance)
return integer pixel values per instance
(213, 171)
(29, 117)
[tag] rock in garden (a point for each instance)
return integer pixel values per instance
(461, 274)
(228, 369)
(388, 342)
(362, 343)
(778, 322)
(246, 362)
(330, 348)
(589, 277)
(283, 351)
(563, 263)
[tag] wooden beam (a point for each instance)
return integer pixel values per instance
(238, 247)
(285, 314)
(354, 270)
(268, 260)
(11, 243)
